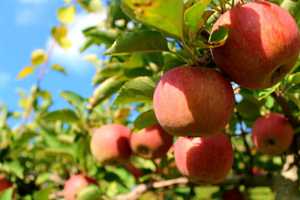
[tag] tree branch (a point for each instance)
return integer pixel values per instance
(142, 188)
(278, 96)
(249, 181)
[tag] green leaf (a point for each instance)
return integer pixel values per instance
(140, 89)
(145, 119)
(39, 57)
(294, 78)
(64, 115)
(138, 41)
(73, 99)
(13, 167)
(165, 15)
(7, 194)
(42, 194)
(193, 15)
(105, 90)
(3, 115)
(90, 192)
(218, 37)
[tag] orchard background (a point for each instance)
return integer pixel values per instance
(142, 40)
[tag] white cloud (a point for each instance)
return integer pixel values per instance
(71, 58)
(5, 78)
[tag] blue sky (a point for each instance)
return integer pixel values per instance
(25, 26)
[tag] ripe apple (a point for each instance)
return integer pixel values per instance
(110, 143)
(262, 47)
(4, 183)
(272, 134)
(193, 101)
(233, 194)
(75, 184)
(151, 142)
(204, 159)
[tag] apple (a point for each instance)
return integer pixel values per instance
(4, 183)
(205, 160)
(75, 184)
(262, 46)
(272, 134)
(110, 143)
(151, 142)
(193, 101)
(233, 194)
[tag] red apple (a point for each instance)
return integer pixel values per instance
(204, 159)
(272, 134)
(151, 142)
(233, 194)
(193, 101)
(4, 183)
(262, 47)
(75, 184)
(110, 143)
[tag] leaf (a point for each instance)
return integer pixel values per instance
(165, 15)
(193, 15)
(218, 37)
(60, 34)
(105, 90)
(42, 194)
(64, 115)
(138, 41)
(3, 115)
(26, 71)
(59, 68)
(140, 89)
(13, 167)
(38, 57)
(7, 194)
(145, 119)
(90, 192)
(294, 78)
(66, 14)
(73, 99)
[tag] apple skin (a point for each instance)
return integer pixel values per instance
(75, 184)
(193, 101)
(272, 134)
(262, 47)
(233, 194)
(110, 143)
(4, 183)
(205, 160)
(151, 142)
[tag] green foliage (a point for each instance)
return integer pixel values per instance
(142, 39)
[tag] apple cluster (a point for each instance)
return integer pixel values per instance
(194, 103)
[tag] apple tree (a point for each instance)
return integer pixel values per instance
(193, 99)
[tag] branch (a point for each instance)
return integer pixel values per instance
(249, 181)
(142, 188)
(278, 96)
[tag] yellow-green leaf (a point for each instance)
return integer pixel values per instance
(59, 68)
(66, 14)
(165, 15)
(26, 71)
(60, 35)
(38, 57)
